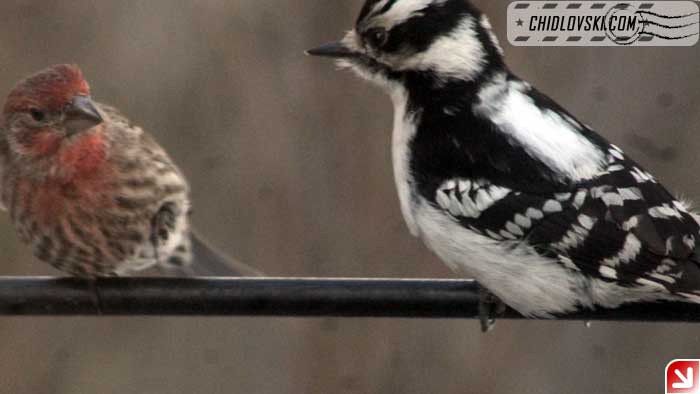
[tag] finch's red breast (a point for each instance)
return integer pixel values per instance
(80, 176)
(84, 157)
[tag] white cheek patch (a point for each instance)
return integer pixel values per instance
(458, 55)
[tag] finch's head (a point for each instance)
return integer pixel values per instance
(48, 108)
(442, 39)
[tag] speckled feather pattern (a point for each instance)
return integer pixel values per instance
(99, 221)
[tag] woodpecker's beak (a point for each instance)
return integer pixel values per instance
(82, 115)
(335, 50)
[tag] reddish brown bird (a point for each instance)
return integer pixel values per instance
(91, 193)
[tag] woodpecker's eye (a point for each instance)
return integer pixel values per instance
(37, 114)
(377, 37)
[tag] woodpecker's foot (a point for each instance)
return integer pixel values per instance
(490, 308)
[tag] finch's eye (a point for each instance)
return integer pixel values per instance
(377, 37)
(37, 114)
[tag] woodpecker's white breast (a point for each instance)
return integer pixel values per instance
(531, 284)
(404, 131)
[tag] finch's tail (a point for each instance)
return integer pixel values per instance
(206, 260)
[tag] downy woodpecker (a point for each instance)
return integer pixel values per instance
(505, 185)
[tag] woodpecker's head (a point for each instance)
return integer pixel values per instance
(445, 39)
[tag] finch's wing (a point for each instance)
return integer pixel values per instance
(191, 254)
(145, 142)
(115, 116)
(622, 226)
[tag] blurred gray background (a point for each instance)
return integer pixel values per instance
(291, 169)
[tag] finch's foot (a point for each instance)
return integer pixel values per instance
(95, 294)
(490, 308)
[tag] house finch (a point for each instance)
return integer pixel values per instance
(91, 193)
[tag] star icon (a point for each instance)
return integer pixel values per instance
(519, 22)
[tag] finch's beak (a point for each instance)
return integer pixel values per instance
(82, 115)
(335, 50)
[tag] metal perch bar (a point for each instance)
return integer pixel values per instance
(300, 297)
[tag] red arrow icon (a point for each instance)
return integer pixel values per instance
(687, 379)
(682, 376)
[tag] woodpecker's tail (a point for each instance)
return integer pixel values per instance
(203, 259)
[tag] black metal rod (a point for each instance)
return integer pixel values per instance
(279, 297)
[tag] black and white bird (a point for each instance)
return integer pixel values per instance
(505, 185)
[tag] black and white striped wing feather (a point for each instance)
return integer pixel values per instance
(621, 226)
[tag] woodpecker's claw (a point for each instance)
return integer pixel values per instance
(490, 308)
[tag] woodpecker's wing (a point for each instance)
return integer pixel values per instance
(621, 226)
